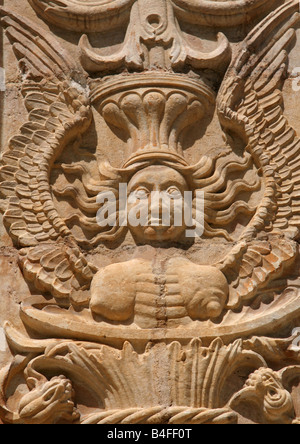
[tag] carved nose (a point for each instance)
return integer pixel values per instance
(156, 208)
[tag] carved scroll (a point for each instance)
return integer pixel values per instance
(221, 13)
(84, 16)
(90, 16)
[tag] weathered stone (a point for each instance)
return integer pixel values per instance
(149, 249)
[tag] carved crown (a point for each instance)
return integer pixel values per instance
(153, 111)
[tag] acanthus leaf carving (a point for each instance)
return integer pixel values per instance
(200, 400)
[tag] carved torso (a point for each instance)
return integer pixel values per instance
(159, 293)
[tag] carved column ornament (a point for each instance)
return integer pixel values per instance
(154, 39)
(130, 322)
(86, 15)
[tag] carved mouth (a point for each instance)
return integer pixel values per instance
(154, 230)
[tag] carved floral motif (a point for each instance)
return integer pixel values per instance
(127, 389)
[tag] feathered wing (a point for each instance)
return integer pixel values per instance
(251, 267)
(60, 270)
(57, 101)
(251, 108)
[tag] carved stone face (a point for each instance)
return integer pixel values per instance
(144, 202)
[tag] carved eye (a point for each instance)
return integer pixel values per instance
(273, 393)
(174, 193)
(141, 193)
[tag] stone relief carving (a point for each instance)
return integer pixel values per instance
(91, 16)
(154, 38)
(156, 335)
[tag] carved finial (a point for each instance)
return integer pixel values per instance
(154, 40)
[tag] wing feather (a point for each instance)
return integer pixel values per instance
(258, 264)
(60, 270)
(250, 106)
(58, 113)
(57, 99)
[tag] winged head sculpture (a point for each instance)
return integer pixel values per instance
(60, 98)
